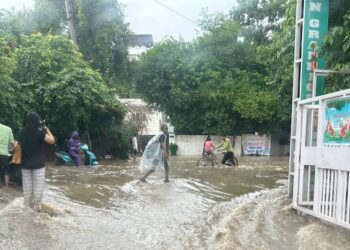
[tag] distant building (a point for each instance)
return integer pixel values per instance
(142, 41)
(139, 45)
(146, 118)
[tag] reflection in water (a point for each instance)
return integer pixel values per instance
(201, 208)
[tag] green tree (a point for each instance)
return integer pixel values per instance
(39, 59)
(37, 70)
(337, 46)
(277, 57)
(16, 23)
(103, 36)
(223, 82)
(259, 18)
(79, 100)
(102, 33)
(49, 17)
(203, 86)
(68, 93)
(14, 102)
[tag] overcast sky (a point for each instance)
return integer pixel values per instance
(151, 17)
(7, 4)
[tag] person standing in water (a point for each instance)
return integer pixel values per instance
(135, 147)
(6, 143)
(155, 156)
(208, 146)
(73, 147)
(228, 148)
(32, 138)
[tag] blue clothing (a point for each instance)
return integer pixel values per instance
(73, 148)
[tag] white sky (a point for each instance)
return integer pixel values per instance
(18, 4)
(149, 17)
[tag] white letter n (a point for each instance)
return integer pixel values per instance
(315, 6)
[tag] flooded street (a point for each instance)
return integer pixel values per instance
(201, 208)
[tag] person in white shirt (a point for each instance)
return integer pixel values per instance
(155, 155)
(135, 147)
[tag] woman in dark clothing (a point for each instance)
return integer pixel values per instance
(32, 139)
(73, 148)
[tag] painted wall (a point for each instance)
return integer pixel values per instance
(193, 145)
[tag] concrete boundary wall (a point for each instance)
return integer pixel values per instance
(193, 144)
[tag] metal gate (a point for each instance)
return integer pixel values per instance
(321, 170)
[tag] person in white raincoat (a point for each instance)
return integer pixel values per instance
(155, 155)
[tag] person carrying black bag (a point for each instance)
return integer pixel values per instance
(32, 139)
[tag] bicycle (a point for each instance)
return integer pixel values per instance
(211, 160)
(207, 160)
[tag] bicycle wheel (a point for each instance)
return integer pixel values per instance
(205, 162)
(235, 161)
(212, 156)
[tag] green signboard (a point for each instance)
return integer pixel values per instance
(315, 28)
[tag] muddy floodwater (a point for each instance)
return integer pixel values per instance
(201, 208)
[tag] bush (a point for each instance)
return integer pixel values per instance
(114, 141)
(173, 146)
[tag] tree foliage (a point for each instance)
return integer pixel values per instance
(49, 17)
(103, 36)
(259, 18)
(68, 93)
(337, 46)
(83, 100)
(39, 59)
(102, 33)
(13, 100)
(277, 57)
(48, 74)
(41, 70)
(204, 86)
(235, 78)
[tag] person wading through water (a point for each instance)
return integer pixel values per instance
(33, 137)
(155, 155)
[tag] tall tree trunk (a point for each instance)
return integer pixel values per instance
(71, 21)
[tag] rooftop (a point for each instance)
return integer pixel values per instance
(145, 40)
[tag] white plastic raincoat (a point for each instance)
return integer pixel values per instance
(153, 156)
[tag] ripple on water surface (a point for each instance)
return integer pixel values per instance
(201, 208)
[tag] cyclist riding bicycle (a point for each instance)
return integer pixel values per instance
(227, 146)
(208, 146)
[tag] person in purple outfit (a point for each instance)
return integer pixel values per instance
(73, 148)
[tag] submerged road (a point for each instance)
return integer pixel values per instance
(201, 208)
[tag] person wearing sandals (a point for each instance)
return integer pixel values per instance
(32, 138)
(155, 155)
